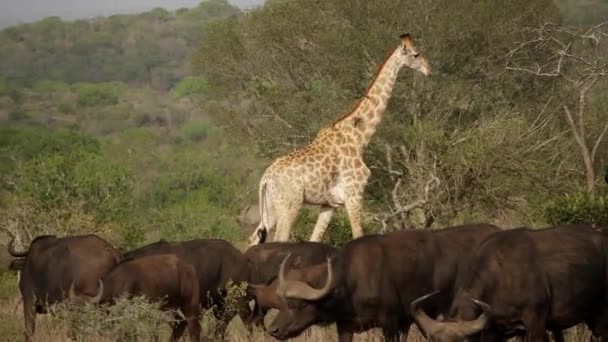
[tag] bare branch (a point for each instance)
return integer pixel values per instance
(598, 141)
(579, 139)
(431, 184)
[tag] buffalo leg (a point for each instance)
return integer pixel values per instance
(391, 333)
(245, 312)
(194, 329)
(178, 330)
(258, 315)
(536, 335)
(29, 316)
(345, 334)
(405, 331)
(558, 336)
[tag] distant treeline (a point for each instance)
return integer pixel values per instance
(151, 48)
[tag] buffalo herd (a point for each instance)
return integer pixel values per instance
(473, 282)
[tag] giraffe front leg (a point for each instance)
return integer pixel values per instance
(323, 220)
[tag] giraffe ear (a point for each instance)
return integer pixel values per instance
(406, 39)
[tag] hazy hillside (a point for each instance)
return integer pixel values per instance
(25, 11)
(103, 130)
(147, 49)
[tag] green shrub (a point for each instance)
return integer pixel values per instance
(338, 232)
(191, 86)
(578, 208)
(65, 108)
(196, 131)
(98, 94)
(48, 86)
(19, 115)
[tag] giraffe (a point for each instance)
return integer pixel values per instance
(330, 171)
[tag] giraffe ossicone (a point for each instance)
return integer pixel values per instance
(330, 171)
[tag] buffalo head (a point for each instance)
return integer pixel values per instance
(297, 301)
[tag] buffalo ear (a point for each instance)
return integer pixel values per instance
(252, 289)
(17, 265)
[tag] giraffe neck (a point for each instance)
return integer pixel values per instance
(362, 121)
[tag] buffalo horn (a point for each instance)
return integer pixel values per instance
(93, 300)
(301, 290)
(13, 252)
(428, 325)
(452, 329)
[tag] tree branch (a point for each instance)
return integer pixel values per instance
(598, 141)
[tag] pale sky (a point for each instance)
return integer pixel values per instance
(17, 11)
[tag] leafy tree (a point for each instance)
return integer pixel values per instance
(294, 66)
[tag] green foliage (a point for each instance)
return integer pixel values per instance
(338, 232)
(578, 208)
(99, 94)
(196, 131)
(191, 86)
(295, 66)
(47, 86)
(131, 236)
(64, 168)
(14, 92)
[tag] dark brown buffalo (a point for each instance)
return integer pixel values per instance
(524, 282)
(371, 282)
(215, 261)
(51, 264)
(161, 278)
(266, 259)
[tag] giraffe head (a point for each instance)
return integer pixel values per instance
(410, 57)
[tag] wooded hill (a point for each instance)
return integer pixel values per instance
(159, 125)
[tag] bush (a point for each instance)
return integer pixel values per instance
(578, 208)
(191, 86)
(134, 319)
(196, 131)
(98, 94)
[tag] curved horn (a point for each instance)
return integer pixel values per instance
(97, 298)
(281, 276)
(453, 329)
(301, 290)
(13, 252)
(426, 323)
(72, 296)
(72, 293)
(472, 327)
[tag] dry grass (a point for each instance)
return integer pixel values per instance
(52, 329)
(143, 324)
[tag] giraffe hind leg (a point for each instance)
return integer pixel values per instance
(285, 219)
(353, 209)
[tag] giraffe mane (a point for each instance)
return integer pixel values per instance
(358, 104)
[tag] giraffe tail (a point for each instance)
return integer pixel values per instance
(267, 220)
